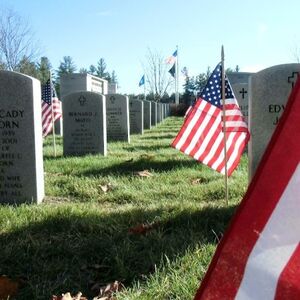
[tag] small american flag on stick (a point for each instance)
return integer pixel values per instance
(202, 134)
(51, 107)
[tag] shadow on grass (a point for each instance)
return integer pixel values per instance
(159, 137)
(127, 168)
(147, 148)
(70, 251)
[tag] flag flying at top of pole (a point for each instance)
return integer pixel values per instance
(202, 134)
(142, 81)
(172, 59)
(259, 255)
(51, 107)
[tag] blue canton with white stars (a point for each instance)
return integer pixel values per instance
(46, 92)
(212, 92)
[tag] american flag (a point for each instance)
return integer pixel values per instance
(49, 98)
(172, 59)
(202, 134)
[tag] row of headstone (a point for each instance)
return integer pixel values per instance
(90, 119)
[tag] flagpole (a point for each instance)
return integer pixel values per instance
(145, 87)
(176, 79)
(53, 127)
(224, 124)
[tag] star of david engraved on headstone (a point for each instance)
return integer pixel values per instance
(292, 79)
(82, 100)
(112, 99)
(243, 92)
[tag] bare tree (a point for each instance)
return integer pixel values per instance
(158, 80)
(16, 40)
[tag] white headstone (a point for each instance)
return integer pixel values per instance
(269, 90)
(21, 146)
(136, 113)
(117, 116)
(153, 113)
(242, 96)
(84, 116)
(147, 114)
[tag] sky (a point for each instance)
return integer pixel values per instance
(256, 34)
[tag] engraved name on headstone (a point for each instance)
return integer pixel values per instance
(117, 117)
(136, 113)
(84, 116)
(21, 144)
(269, 90)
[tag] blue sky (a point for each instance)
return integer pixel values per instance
(255, 33)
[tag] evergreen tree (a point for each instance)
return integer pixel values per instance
(44, 67)
(67, 66)
(27, 67)
(101, 69)
(114, 78)
(92, 70)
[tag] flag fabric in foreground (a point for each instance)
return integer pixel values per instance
(259, 255)
(202, 133)
(142, 81)
(172, 59)
(49, 102)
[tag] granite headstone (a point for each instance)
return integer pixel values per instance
(117, 117)
(153, 113)
(136, 116)
(21, 147)
(269, 90)
(84, 116)
(147, 114)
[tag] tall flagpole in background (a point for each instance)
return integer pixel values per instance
(145, 87)
(224, 124)
(177, 79)
(53, 127)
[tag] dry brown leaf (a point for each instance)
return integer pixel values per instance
(144, 173)
(68, 296)
(8, 287)
(143, 228)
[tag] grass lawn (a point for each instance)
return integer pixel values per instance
(102, 220)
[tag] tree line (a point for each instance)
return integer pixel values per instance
(20, 52)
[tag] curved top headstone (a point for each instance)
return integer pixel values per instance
(269, 90)
(21, 151)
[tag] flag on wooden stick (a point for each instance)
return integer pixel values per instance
(51, 107)
(202, 134)
(259, 255)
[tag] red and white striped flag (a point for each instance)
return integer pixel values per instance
(49, 102)
(202, 134)
(259, 256)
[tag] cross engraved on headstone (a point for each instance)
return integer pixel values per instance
(112, 99)
(243, 92)
(82, 100)
(291, 78)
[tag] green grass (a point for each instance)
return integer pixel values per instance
(80, 236)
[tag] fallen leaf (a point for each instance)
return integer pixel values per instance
(8, 287)
(108, 290)
(143, 228)
(68, 296)
(144, 173)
